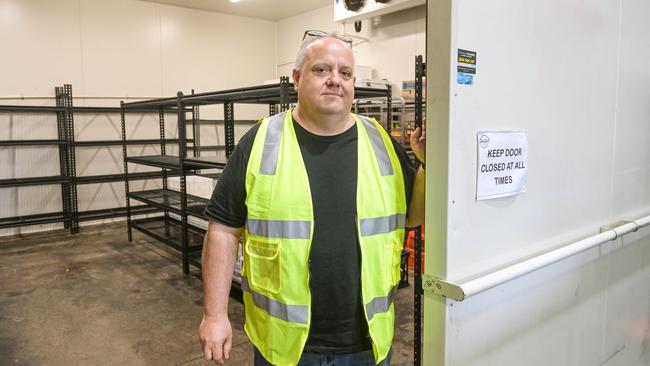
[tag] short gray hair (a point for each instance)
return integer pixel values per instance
(300, 57)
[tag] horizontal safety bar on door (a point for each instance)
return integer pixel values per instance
(462, 291)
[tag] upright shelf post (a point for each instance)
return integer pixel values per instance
(284, 93)
(182, 154)
(417, 289)
(229, 127)
(62, 134)
(196, 130)
(126, 171)
(163, 151)
(72, 165)
(389, 109)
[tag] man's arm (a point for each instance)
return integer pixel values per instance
(219, 254)
(416, 206)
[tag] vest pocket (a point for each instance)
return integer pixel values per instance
(264, 264)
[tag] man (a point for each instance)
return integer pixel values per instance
(321, 197)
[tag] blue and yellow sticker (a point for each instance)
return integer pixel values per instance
(466, 67)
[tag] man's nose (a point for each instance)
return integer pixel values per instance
(334, 79)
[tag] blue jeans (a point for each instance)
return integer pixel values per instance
(365, 358)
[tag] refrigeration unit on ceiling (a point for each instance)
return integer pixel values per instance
(349, 11)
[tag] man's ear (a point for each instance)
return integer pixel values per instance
(295, 75)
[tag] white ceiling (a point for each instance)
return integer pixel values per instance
(262, 9)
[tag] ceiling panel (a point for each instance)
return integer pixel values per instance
(261, 9)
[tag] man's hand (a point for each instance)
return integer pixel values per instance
(416, 206)
(215, 334)
(418, 142)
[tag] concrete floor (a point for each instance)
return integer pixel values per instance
(96, 299)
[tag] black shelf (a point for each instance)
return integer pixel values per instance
(172, 162)
(33, 181)
(168, 230)
(104, 178)
(30, 109)
(211, 148)
(159, 161)
(205, 162)
(221, 121)
(32, 142)
(96, 143)
(109, 213)
(167, 199)
(28, 220)
(52, 109)
(119, 110)
(119, 177)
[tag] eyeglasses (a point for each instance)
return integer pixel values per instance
(320, 34)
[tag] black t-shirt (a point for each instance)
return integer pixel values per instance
(337, 320)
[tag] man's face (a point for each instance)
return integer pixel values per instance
(325, 83)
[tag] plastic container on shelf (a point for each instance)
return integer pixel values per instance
(410, 246)
(410, 240)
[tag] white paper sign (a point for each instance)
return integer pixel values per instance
(502, 168)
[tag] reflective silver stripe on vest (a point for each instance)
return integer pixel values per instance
(378, 146)
(284, 229)
(382, 225)
(380, 304)
(272, 144)
(290, 313)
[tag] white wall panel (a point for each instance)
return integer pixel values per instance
(534, 79)
(209, 51)
(568, 73)
(627, 334)
(41, 46)
(632, 134)
(121, 49)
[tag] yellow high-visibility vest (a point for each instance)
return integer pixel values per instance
(279, 230)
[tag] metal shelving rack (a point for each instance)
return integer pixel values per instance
(172, 231)
(68, 179)
(65, 126)
(178, 233)
(116, 177)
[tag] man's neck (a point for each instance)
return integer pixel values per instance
(322, 124)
